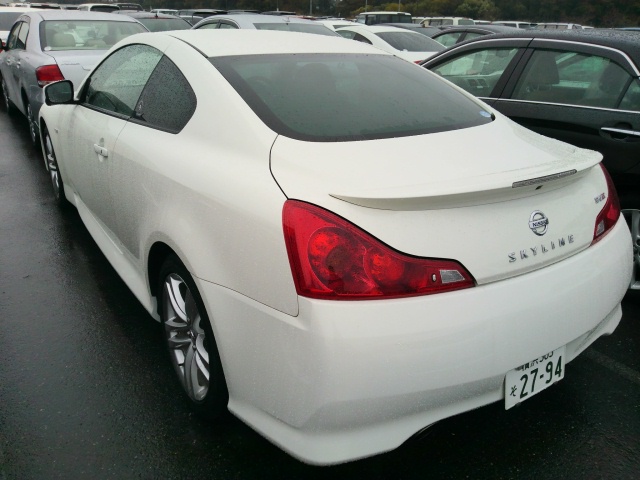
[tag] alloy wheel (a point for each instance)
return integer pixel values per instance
(186, 337)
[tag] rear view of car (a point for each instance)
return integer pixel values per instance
(350, 248)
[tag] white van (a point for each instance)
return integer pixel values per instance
(374, 18)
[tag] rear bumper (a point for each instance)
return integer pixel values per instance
(346, 380)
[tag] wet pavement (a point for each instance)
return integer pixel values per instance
(86, 390)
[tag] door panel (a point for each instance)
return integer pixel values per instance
(92, 158)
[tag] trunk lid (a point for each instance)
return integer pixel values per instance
(75, 65)
(498, 198)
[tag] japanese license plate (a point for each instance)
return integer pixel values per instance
(533, 377)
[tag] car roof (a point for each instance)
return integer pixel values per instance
(4, 8)
(81, 15)
(478, 28)
(257, 18)
(137, 14)
(377, 28)
(216, 42)
(627, 41)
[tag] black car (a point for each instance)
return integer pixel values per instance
(448, 36)
(580, 86)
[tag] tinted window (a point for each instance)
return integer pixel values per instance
(12, 40)
(410, 42)
(116, 84)
(164, 24)
(478, 71)
(167, 102)
(208, 26)
(336, 97)
(448, 39)
(631, 100)
(572, 78)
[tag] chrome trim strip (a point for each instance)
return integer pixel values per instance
(633, 133)
(547, 178)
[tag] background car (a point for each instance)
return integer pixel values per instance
(257, 21)
(405, 44)
(415, 27)
(451, 35)
(193, 16)
(579, 86)
(8, 16)
(515, 23)
(98, 7)
(45, 46)
(157, 22)
(347, 248)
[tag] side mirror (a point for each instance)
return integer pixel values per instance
(58, 93)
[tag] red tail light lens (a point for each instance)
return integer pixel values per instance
(333, 259)
(610, 213)
(47, 74)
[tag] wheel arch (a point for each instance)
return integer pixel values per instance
(158, 253)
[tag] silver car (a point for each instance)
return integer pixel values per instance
(264, 22)
(49, 45)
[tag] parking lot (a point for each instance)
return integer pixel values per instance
(87, 390)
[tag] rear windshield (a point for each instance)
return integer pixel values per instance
(296, 27)
(7, 19)
(348, 97)
(84, 34)
(411, 42)
(164, 24)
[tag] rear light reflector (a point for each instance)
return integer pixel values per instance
(47, 74)
(333, 259)
(610, 213)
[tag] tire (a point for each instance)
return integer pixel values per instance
(52, 167)
(33, 124)
(190, 342)
(8, 105)
(632, 216)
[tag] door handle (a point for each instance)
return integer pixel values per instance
(103, 152)
(621, 131)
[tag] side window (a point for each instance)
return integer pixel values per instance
(359, 38)
(572, 78)
(346, 34)
(631, 99)
(116, 84)
(209, 26)
(167, 101)
(12, 41)
(227, 25)
(448, 39)
(477, 72)
(471, 35)
(22, 36)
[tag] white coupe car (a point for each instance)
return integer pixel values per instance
(412, 46)
(338, 272)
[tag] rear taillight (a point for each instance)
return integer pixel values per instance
(333, 259)
(47, 74)
(610, 213)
